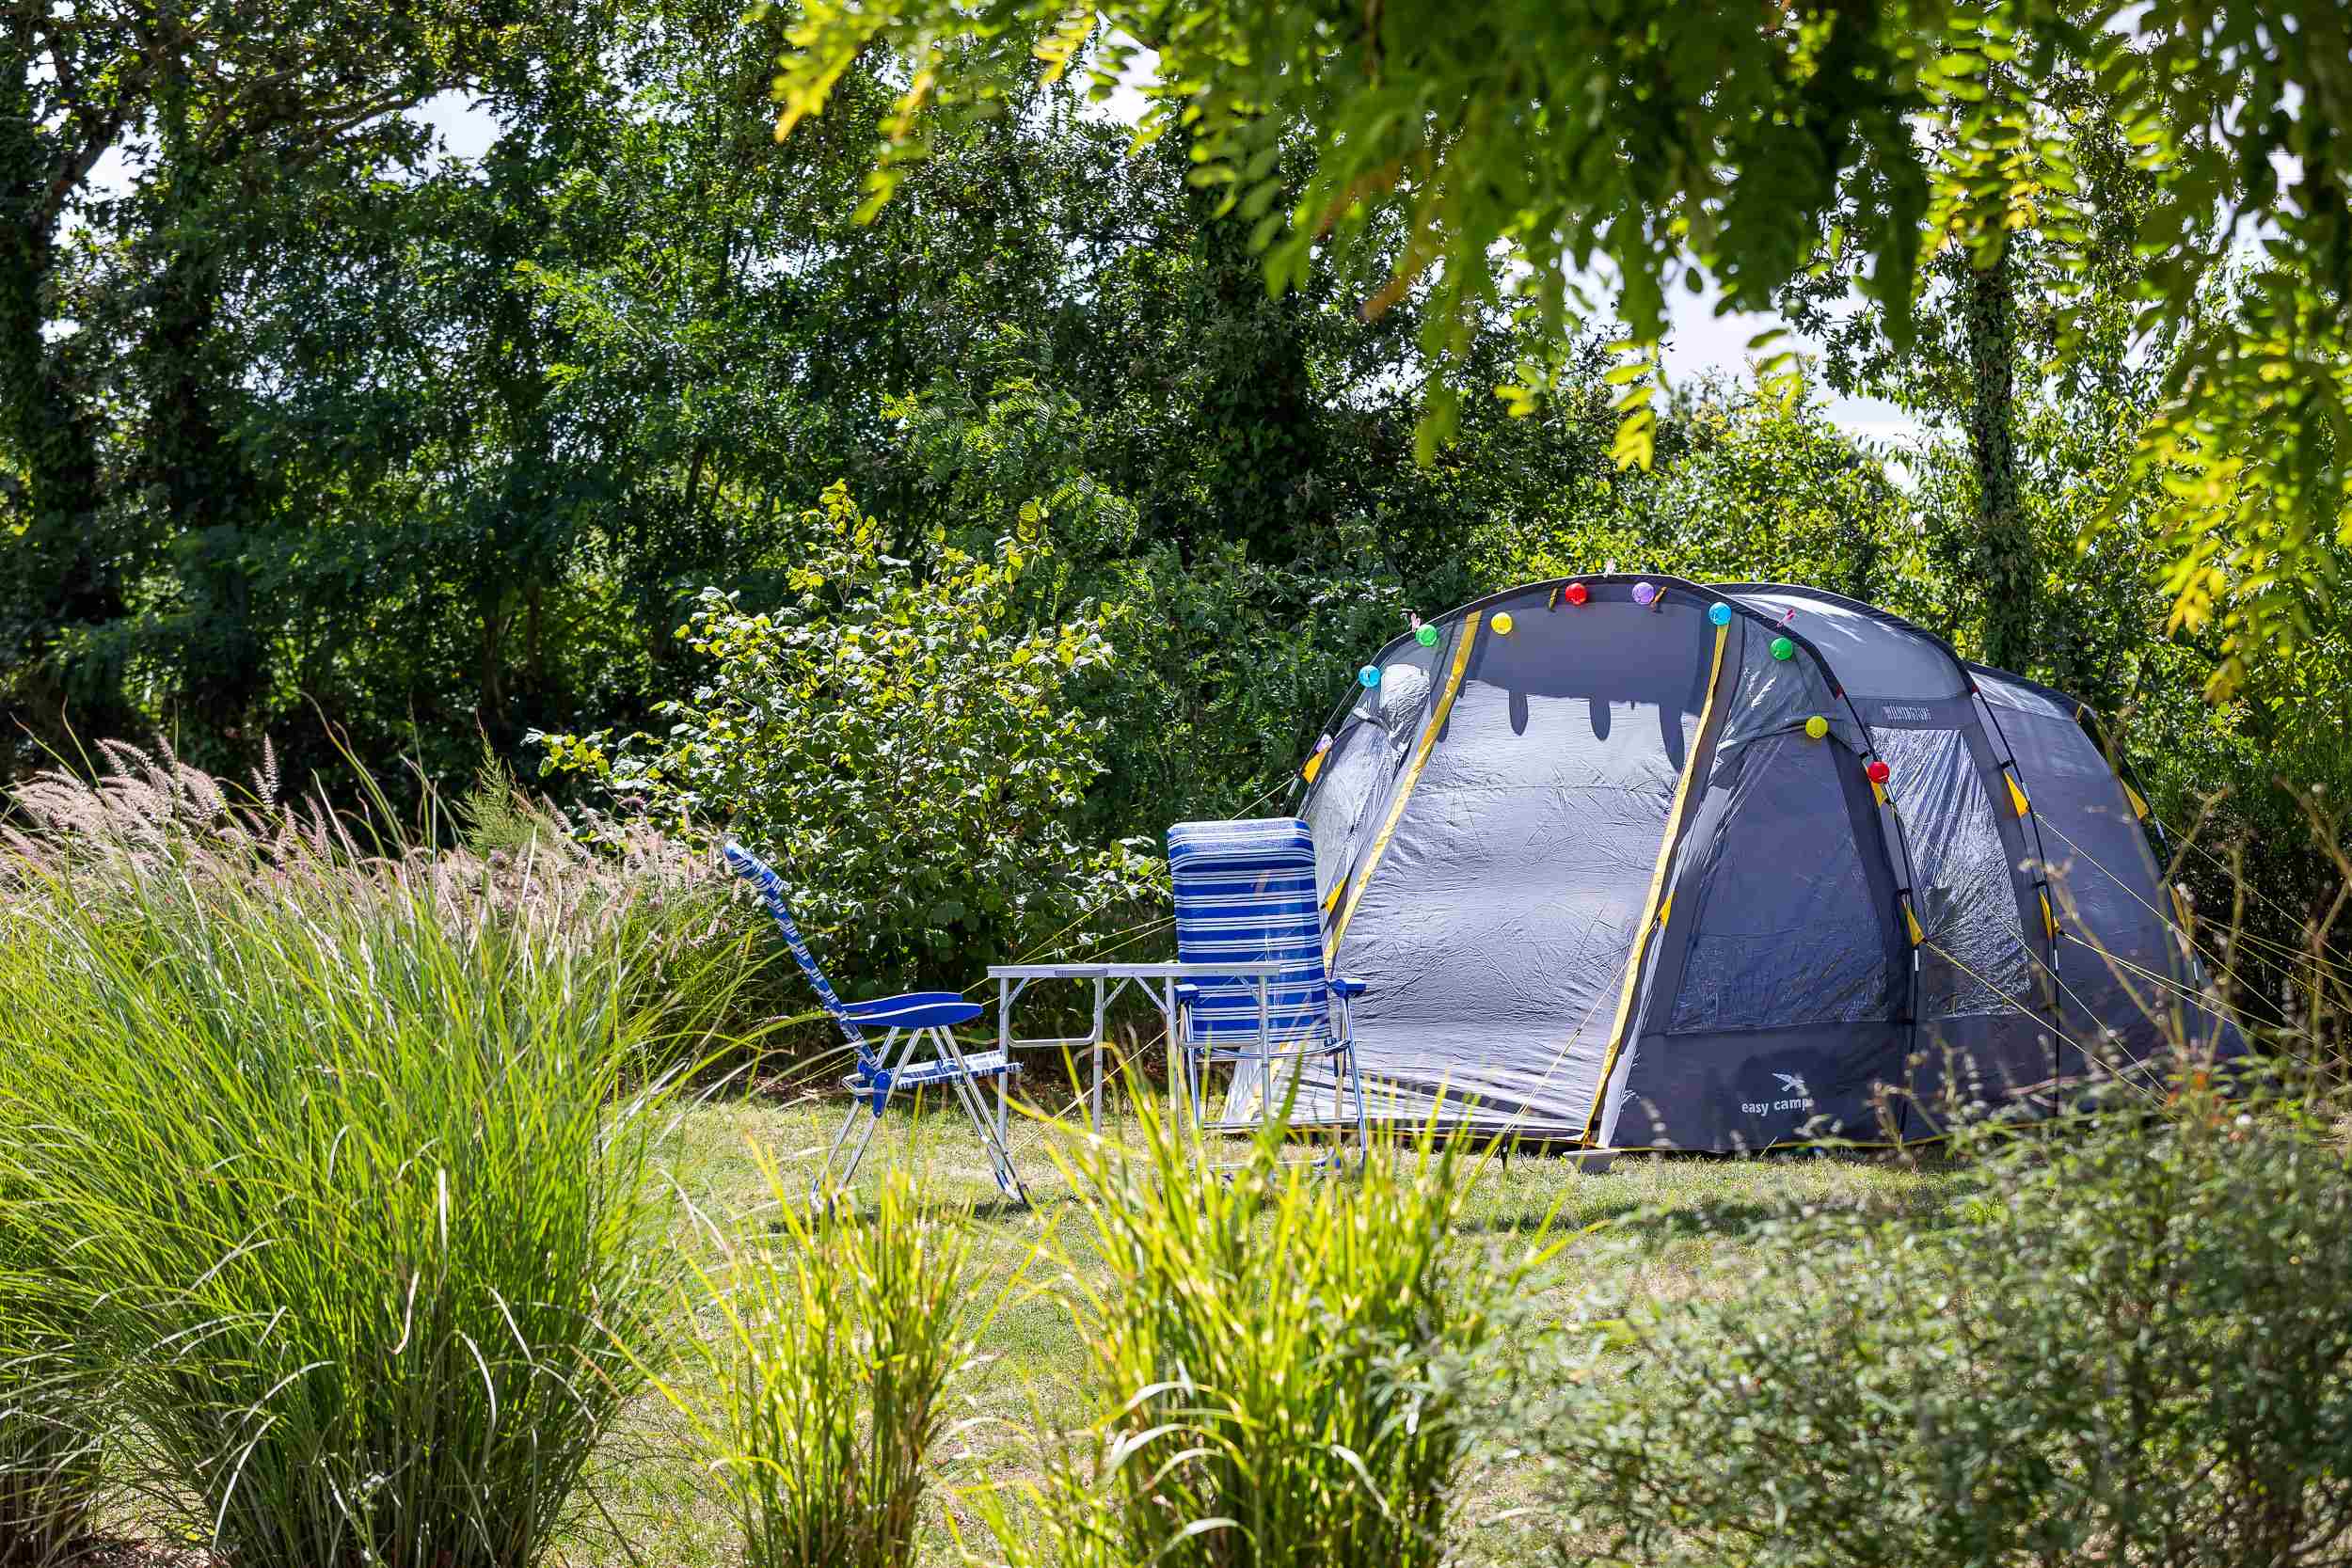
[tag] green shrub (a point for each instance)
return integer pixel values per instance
(824, 1353)
(1283, 1364)
(2125, 1343)
(353, 1147)
(898, 743)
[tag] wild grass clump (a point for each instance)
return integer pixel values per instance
(149, 830)
(1285, 1364)
(2127, 1342)
(354, 1145)
(49, 1425)
(820, 1370)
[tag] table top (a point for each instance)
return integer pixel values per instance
(1234, 969)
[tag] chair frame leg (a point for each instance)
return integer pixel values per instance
(860, 1105)
(990, 1128)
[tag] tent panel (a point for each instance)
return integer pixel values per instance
(1355, 771)
(1870, 654)
(2123, 976)
(1972, 1063)
(1751, 1089)
(1973, 957)
(1496, 928)
(1774, 695)
(1789, 925)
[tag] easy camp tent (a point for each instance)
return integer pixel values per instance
(1639, 862)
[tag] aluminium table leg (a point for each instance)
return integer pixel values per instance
(1094, 1096)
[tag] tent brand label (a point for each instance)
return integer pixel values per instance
(1902, 714)
(1791, 1095)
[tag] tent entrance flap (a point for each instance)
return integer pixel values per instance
(1497, 926)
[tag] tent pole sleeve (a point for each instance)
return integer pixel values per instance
(1657, 886)
(1404, 786)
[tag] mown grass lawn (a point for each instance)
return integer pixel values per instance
(1698, 1214)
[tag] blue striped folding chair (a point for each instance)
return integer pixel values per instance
(927, 1019)
(1245, 893)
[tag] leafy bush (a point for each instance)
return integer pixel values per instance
(1226, 668)
(827, 1351)
(897, 743)
(352, 1143)
(2127, 1344)
(1282, 1362)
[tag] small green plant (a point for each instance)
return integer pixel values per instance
(2125, 1342)
(355, 1145)
(1285, 1364)
(830, 1346)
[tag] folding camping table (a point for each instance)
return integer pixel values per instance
(1157, 980)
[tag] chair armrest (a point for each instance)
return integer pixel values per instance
(1186, 992)
(1347, 984)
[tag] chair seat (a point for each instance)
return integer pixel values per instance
(915, 1009)
(1281, 1051)
(979, 1064)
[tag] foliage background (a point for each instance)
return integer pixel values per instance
(314, 433)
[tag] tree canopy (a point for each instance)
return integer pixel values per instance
(1522, 149)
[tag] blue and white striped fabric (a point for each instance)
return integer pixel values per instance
(771, 890)
(1246, 892)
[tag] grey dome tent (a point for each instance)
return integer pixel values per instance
(1640, 862)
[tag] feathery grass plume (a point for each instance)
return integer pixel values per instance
(826, 1350)
(354, 1143)
(1285, 1363)
(149, 826)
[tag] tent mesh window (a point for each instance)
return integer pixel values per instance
(1972, 956)
(1784, 938)
(1353, 776)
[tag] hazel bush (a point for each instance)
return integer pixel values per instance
(900, 741)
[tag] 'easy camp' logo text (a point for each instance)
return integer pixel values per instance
(1793, 1096)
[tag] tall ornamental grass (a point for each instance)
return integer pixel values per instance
(1285, 1364)
(821, 1371)
(361, 1163)
(49, 1430)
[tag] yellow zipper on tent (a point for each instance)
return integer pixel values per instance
(1650, 905)
(1412, 777)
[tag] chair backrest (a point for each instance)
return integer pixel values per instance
(771, 889)
(1245, 893)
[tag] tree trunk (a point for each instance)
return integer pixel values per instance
(2007, 574)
